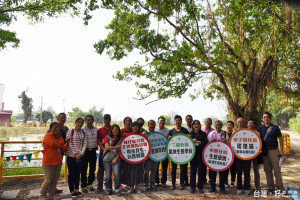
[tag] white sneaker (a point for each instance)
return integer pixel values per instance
(138, 191)
(247, 192)
(239, 192)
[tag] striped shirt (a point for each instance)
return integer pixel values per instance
(91, 135)
(77, 144)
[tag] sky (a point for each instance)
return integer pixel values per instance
(56, 60)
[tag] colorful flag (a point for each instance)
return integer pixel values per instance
(1, 160)
(36, 154)
(14, 157)
(8, 158)
(28, 156)
(21, 157)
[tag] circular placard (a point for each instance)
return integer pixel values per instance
(135, 148)
(246, 143)
(158, 143)
(218, 156)
(181, 148)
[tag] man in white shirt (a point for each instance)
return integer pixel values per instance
(90, 156)
(162, 129)
(189, 120)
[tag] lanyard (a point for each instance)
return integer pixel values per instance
(91, 131)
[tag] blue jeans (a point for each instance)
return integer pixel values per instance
(109, 168)
(100, 173)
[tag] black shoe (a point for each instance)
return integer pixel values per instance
(58, 191)
(173, 187)
(181, 187)
(270, 191)
(192, 190)
(74, 194)
(201, 191)
(212, 190)
(223, 192)
(99, 190)
(108, 192)
(79, 194)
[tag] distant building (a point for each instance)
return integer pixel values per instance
(5, 115)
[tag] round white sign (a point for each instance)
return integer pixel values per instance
(246, 143)
(135, 148)
(181, 148)
(158, 143)
(218, 156)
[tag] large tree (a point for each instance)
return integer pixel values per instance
(238, 49)
(26, 105)
(36, 10)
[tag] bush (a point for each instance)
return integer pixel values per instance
(295, 124)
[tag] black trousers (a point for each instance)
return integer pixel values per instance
(89, 159)
(233, 170)
(197, 164)
(213, 178)
(243, 166)
(164, 165)
(183, 173)
(74, 173)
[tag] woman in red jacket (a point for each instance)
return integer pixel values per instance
(52, 159)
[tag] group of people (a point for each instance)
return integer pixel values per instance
(81, 143)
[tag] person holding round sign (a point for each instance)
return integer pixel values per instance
(243, 166)
(150, 164)
(229, 131)
(111, 161)
(217, 135)
(183, 167)
(257, 160)
(165, 131)
(200, 139)
(135, 149)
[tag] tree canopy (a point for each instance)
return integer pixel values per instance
(239, 50)
(77, 112)
(36, 10)
(46, 115)
(27, 106)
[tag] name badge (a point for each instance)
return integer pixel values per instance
(196, 144)
(58, 149)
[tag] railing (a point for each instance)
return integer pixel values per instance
(18, 176)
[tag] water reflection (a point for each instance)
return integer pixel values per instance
(24, 148)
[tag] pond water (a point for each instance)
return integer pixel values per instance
(24, 148)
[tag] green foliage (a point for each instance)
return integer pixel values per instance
(46, 115)
(295, 123)
(97, 114)
(238, 49)
(36, 11)
(26, 105)
(168, 119)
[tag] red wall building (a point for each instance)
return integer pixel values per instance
(5, 117)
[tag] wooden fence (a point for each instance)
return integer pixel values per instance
(286, 147)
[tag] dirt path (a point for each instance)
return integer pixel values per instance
(29, 188)
(291, 165)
